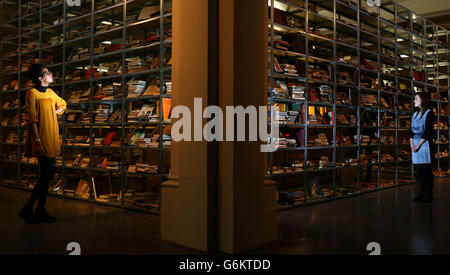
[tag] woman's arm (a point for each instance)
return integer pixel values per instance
(61, 104)
(428, 133)
(30, 107)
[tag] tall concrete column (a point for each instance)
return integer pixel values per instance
(217, 197)
(248, 216)
(189, 198)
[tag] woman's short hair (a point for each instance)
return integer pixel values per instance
(35, 72)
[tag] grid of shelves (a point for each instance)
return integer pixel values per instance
(111, 61)
(344, 75)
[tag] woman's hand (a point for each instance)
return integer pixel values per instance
(42, 151)
(41, 148)
(60, 111)
(413, 147)
(417, 148)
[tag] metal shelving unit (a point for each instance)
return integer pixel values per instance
(387, 47)
(56, 19)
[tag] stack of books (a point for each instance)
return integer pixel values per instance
(72, 117)
(292, 198)
(135, 88)
(84, 162)
(12, 138)
(78, 96)
(108, 92)
(102, 114)
(313, 120)
(112, 165)
(81, 53)
(298, 92)
(77, 141)
(146, 168)
(168, 87)
(318, 75)
(85, 118)
(289, 70)
(137, 64)
(282, 143)
(365, 139)
(99, 50)
(145, 200)
(321, 140)
(133, 116)
(282, 45)
(55, 40)
(325, 93)
(369, 100)
(98, 141)
(167, 140)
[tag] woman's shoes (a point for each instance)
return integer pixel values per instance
(27, 214)
(41, 216)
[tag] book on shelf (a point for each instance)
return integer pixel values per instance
(83, 189)
(152, 90)
(312, 96)
(137, 64)
(109, 138)
(321, 140)
(292, 198)
(135, 88)
(149, 12)
(282, 45)
(289, 70)
(297, 92)
(325, 93)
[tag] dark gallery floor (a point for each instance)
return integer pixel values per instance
(346, 226)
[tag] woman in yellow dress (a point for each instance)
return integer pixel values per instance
(42, 106)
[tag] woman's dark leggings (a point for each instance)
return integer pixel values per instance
(426, 180)
(46, 174)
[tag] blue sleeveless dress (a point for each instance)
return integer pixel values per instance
(423, 156)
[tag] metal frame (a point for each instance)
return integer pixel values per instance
(395, 167)
(162, 71)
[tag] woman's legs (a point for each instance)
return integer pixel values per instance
(48, 172)
(426, 182)
(40, 192)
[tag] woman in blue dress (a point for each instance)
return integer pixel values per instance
(422, 145)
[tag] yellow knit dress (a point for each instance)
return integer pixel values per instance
(41, 108)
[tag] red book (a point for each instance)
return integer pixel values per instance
(109, 138)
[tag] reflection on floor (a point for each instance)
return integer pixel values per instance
(98, 229)
(346, 226)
